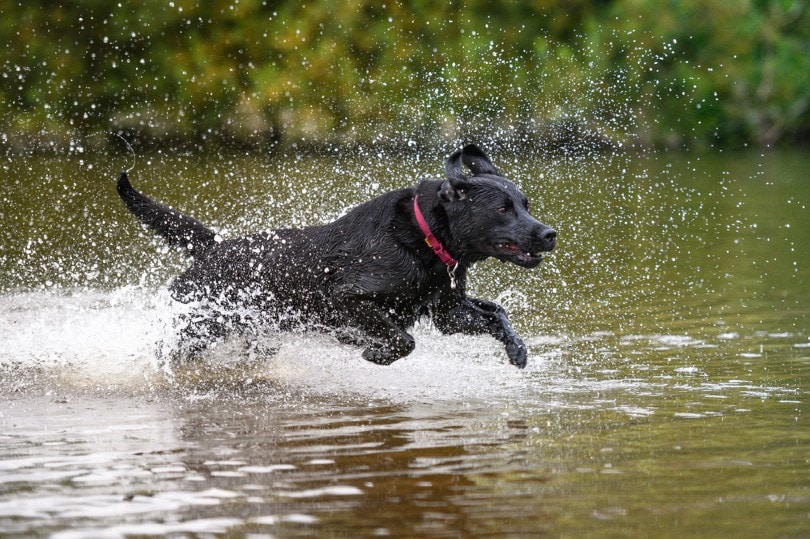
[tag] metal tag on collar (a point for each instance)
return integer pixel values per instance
(451, 272)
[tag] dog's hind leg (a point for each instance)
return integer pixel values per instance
(198, 331)
(388, 342)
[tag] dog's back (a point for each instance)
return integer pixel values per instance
(299, 273)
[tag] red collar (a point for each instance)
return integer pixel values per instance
(433, 242)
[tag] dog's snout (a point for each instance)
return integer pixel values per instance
(546, 237)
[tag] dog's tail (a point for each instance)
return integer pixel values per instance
(178, 229)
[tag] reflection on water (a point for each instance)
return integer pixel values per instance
(669, 367)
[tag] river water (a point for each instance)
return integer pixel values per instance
(665, 394)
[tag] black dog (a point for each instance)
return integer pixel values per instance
(372, 273)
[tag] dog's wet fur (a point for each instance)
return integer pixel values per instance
(367, 276)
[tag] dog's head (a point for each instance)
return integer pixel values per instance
(488, 215)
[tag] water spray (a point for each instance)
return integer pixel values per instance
(131, 150)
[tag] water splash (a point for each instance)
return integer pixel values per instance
(118, 342)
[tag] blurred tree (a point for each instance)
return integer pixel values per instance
(688, 72)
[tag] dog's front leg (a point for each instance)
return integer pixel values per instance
(502, 330)
(476, 316)
(390, 342)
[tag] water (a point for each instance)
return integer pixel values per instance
(668, 374)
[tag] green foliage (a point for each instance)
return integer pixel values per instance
(708, 72)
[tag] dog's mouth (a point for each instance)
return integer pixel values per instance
(510, 251)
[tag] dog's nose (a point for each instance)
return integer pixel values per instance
(548, 238)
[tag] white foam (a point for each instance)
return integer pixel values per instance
(89, 338)
(113, 341)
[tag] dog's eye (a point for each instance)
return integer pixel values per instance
(503, 210)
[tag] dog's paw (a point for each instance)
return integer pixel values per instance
(380, 355)
(386, 352)
(517, 353)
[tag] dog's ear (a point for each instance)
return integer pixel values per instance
(477, 161)
(455, 187)
(452, 167)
